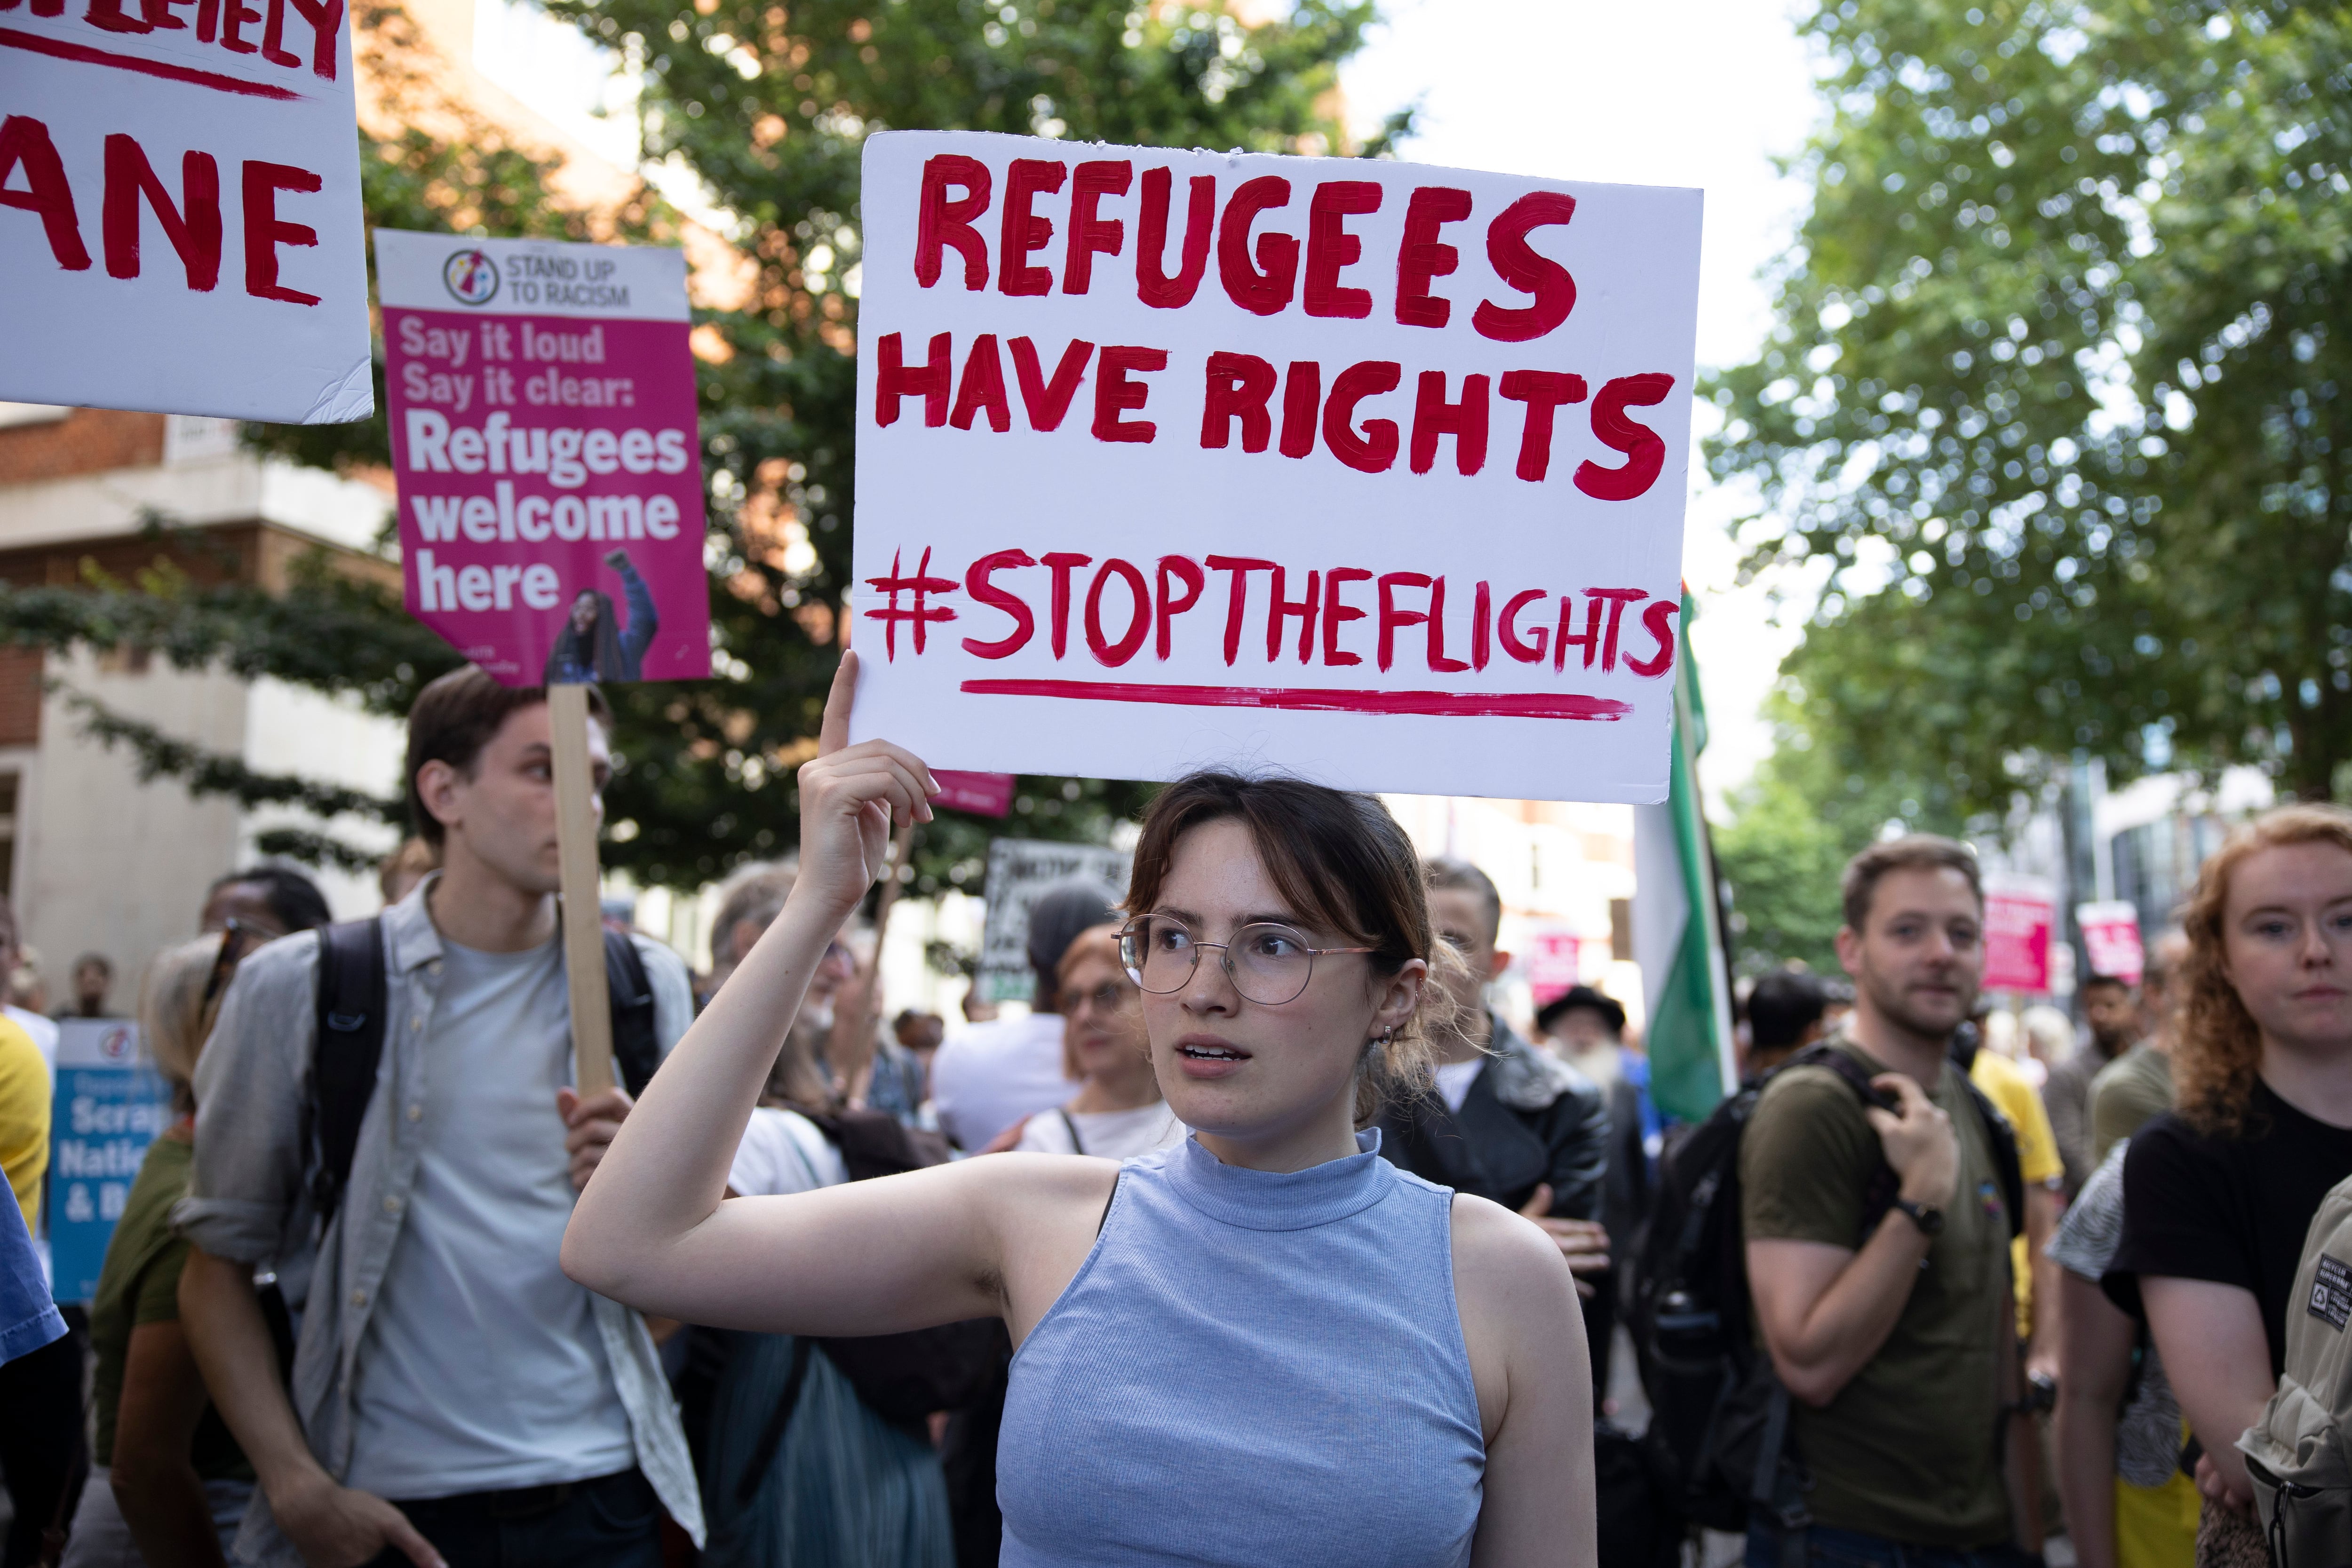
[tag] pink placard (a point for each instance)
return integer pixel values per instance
(2017, 939)
(543, 436)
(981, 794)
(2111, 938)
(1553, 959)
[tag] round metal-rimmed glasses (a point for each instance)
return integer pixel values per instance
(1269, 963)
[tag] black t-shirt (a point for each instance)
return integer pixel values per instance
(2231, 1210)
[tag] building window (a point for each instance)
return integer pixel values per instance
(9, 789)
(20, 698)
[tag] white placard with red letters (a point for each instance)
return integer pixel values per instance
(1370, 471)
(179, 225)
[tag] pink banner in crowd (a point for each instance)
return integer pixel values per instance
(543, 436)
(1552, 961)
(981, 795)
(2018, 918)
(2111, 938)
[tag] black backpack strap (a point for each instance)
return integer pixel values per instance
(1879, 1196)
(636, 1047)
(345, 1052)
(2007, 1163)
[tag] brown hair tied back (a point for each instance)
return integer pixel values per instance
(1340, 862)
(2219, 1049)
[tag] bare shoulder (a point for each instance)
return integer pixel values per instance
(1023, 1181)
(1505, 1259)
(1521, 1325)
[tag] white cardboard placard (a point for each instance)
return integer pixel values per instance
(1080, 466)
(179, 226)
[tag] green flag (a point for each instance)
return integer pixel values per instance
(1677, 925)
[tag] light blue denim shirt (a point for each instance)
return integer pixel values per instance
(249, 1197)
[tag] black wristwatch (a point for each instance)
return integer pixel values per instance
(1930, 1221)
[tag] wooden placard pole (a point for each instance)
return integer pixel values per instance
(583, 921)
(851, 1047)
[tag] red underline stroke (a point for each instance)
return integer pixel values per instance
(41, 45)
(1319, 699)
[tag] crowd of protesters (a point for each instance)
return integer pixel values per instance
(1327, 1262)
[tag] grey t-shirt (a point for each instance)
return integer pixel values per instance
(482, 1369)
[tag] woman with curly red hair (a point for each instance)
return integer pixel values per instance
(2218, 1193)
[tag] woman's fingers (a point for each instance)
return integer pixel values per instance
(834, 733)
(875, 780)
(879, 759)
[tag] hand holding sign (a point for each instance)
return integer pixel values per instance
(848, 796)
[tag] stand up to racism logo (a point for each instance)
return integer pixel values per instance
(470, 278)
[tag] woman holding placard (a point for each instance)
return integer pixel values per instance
(1267, 1343)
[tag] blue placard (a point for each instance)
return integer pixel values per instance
(110, 1104)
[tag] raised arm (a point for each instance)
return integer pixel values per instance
(645, 620)
(654, 1227)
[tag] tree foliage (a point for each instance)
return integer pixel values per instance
(2057, 391)
(768, 109)
(1793, 826)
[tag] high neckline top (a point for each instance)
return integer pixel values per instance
(1250, 1367)
(1281, 1200)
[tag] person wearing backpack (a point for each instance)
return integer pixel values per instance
(1877, 1245)
(2298, 1456)
(2218, 1194)
(386, 1122)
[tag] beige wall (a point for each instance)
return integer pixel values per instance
(107, 864)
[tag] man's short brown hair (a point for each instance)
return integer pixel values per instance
(454, 719)
(1913, 852)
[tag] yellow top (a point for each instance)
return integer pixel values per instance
(2005, 1084)
(24, 1117)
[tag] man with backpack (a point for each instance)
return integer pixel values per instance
(388, 1125)
(1878, 1195)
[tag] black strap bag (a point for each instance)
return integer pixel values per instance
(1720, 1417)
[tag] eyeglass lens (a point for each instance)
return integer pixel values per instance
(1109, 997)
(1269, 963)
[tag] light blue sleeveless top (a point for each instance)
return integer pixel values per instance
(1249, 1368)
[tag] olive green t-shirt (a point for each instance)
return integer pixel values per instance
(1907, 1451)
(2129, 1092)
(140, 1283)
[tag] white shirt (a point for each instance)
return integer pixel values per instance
(782, 1152)
(1454, 1078)
(1111, 1134)
(990, 1076)
(482, 1369)
(42, 1030)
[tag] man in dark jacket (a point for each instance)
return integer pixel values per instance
(1505, 1120)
